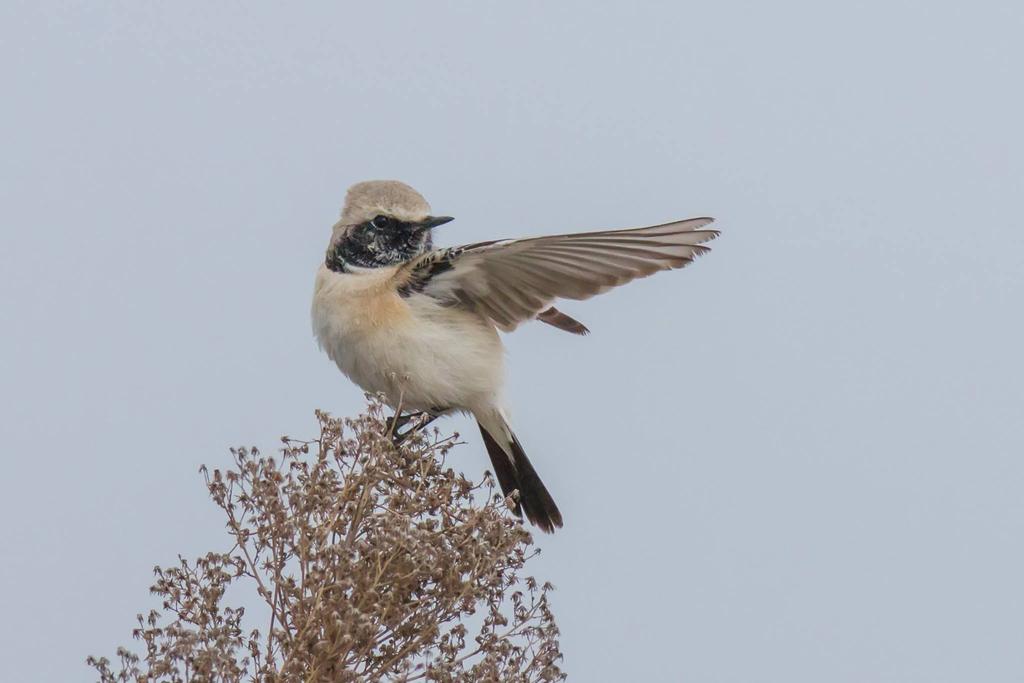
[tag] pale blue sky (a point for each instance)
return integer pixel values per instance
(801, 459)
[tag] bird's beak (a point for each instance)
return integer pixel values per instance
(434, 221)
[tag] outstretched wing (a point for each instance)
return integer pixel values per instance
(510, 281)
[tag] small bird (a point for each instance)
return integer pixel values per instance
(420, 325)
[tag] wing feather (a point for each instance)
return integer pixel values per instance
(510, 281)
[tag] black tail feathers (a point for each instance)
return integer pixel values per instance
(515, 472)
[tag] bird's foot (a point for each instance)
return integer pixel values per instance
(401, 427)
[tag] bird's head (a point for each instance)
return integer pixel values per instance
(383, 222)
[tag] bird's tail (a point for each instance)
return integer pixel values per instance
(516, 473)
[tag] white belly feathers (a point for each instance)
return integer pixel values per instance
(411, 349)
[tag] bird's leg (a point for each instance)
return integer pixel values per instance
(398, 431)
(419, 419)
(397, 422)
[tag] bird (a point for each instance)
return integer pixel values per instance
(420, 325)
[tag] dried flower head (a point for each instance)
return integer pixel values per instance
(373, 562)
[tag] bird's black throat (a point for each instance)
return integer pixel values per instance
(367, 246)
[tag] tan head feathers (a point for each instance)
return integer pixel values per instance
(371, 198)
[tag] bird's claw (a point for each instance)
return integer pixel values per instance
(397, 425)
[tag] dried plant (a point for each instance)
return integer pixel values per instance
(373, 562)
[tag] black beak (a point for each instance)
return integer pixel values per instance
(434, 221)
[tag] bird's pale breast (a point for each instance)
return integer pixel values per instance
(412, 349)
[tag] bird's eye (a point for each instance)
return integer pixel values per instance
(381, 222)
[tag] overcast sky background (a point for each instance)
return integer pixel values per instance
(801, 459)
